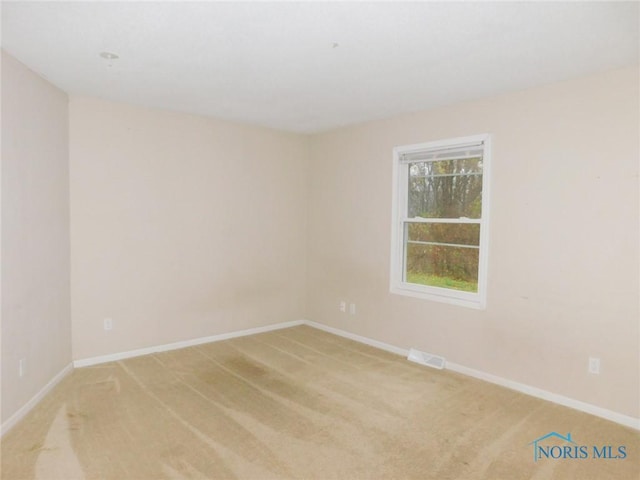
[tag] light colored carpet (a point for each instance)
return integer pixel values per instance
(296, 403)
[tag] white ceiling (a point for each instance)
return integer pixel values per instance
(275, 64)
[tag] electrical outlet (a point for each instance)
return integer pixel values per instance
(22, 367)
(343, 306)
(108, 323)
(352, 308)
(594, 365)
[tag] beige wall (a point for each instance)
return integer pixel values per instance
(36, 323)
(181, 226)
(564, 251)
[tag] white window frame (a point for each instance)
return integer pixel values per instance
(399, 204)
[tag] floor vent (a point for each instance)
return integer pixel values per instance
(423, 358)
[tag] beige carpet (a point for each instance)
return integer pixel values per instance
(297, 403)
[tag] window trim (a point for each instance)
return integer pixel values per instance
(399, 207)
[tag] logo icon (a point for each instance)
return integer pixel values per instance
(556, 446)
(545, 450)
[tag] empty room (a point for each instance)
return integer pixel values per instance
(320, 240)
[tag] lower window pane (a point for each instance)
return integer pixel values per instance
(457, 233)
(442, 266)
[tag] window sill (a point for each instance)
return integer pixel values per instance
(440, 295)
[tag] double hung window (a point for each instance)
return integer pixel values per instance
(440, 220)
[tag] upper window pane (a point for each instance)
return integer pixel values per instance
(445, 188)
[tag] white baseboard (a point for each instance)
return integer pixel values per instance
(26, 408)
(549, 396)
(86, 362)
(359, 338)
(520, 387)
(616, 417)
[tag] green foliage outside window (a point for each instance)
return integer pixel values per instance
(444, 254)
